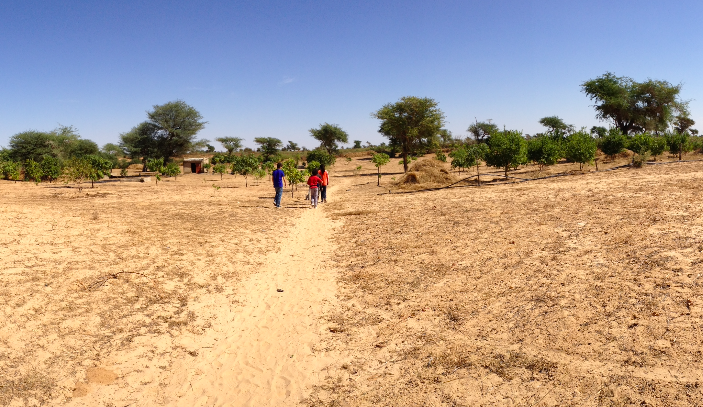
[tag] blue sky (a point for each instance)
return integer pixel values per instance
(279, 68)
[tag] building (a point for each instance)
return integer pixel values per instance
(194, 165)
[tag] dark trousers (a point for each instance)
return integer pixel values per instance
(323, 193)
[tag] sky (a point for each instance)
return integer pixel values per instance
(279, 68)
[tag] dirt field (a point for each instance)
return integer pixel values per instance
(578, 290)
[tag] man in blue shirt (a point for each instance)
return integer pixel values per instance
(279, 181)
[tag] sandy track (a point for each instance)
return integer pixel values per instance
(265, 355)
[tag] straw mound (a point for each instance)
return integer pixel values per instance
(426, 172)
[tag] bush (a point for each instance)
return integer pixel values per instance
(321, 156)
(678, 143)
(544, 151)
(658, 146)
(640, 143)
(440, 156)
(32, 171)
(51, 168)
(613, 143)
(171, 169)
(580, 148)
(11, 170)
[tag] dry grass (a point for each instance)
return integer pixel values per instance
(569, 291)
(426, 172)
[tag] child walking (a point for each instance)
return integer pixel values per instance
(313, 182)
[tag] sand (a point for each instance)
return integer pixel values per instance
(577, 290)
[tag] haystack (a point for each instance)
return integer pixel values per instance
(427, 172)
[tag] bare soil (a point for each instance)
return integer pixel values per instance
(573, 290)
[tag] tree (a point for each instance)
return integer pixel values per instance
(231, 144)
(634, 106)
(506, 149)
(411, 123)
(482, 130)
(613, 143)
(244, 165)
(268, 146)
(77, 170)
(544, 151)
(329, 135)
(357, 144)
(459, 158)
(599, 131)
(155, 165)
(113, 150)
(678, 143)
(445, 137)
(658, 146)
(30, 145)
(321, 156)
(683, 123)
(291, 146)
(476, 153)
(169, 132)
(293, 175)
(580, 147)
(98, 168)
(171, 169)
(379, 160)
(556, 127)
(219, 169)
(10, 170)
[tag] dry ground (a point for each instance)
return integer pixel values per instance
(113, 282)
(579, 290)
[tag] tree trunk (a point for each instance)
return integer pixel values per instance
(379, 177)
(478, 176)
(680, 152)
(221, 175)
(506, 172)
(405, 160)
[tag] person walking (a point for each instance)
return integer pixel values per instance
(325, 180)
(279, 181)
(313, 182)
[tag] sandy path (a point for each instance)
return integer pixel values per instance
(265, 355)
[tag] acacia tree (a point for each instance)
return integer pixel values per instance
(410, 123)
(169, 132)
(634, 106)
(329, 135)
(268, 146)
(506, 149)
(380, 160)
(231, 144)
(482, 130)
(556, 127)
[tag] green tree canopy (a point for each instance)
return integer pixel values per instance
(482, 130)
(268, 146)
(544, 151)
(113, 150)
(410, 123)
(580, 147)
(379, 160)
(556, 127)
(291, 146)
(613, 143)
(506, 149)
(231, 144)
(329, 135)
(634, 106)
(169, 132)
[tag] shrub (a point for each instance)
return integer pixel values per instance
(219, 169)
(440, 156)
(580, 148)
(171, 169)
(658, 146)
(51, 168)
(640, 143)
(11, 170)
(32, 171)
(381, 159)
(678, 143)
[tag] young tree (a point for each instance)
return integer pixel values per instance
(231, 144)
(268, 146)
(482, 130)
(506, 149)
(634, 106)
(244, 165)
(476, 153)
(658, 146)
(544, 151)
(640, 143)
(580, 147)
(98, 168)
(171, 169)
(155, 165)
(613, 143)
(219, 169)
(678, 143)
(77, 170)
(379, 160)
(410, 123)
(329, 135)
(293, 175)
(459, 158)
(32, 171)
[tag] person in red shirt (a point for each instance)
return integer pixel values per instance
(313, 181)
(325, 177)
